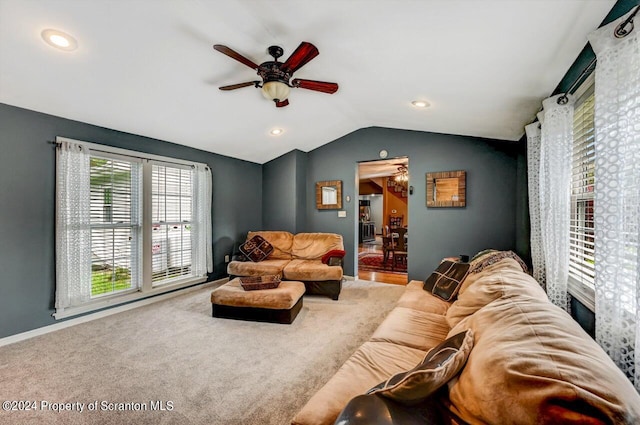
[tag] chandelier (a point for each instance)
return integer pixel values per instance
(402, 176)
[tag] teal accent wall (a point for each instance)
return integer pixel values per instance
(283, 188)
(493, 189)
(27, 206)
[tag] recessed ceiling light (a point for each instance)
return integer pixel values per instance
(276, 131)
(420, 103)
(59, 40)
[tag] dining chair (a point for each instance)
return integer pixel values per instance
(400, 251)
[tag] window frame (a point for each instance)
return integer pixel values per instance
(145, 287)
(578, 289)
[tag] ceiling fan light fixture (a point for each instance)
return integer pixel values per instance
(59, 40)
(275, 90)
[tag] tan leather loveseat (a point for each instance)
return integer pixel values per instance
(297, 257)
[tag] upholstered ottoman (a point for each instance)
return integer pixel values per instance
(278, 305)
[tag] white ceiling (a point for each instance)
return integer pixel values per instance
(148, 67)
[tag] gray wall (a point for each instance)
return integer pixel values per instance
(284, 192)
(27, 206)
(488, 221)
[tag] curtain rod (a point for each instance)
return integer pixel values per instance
(619, 32)
(562, 100)
(150, 157)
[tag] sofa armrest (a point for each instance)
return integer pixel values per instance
(372, 409)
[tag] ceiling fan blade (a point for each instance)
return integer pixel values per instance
(240, 85)
(303, 54)
(235, 55)
(322, 86)
(282, 104)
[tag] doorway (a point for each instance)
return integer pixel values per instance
(383, 220)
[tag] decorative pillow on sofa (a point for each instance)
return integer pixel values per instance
(445, 281)
(441, 364)
(256, 249)
(333, 253)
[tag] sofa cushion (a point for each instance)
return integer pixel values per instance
(371, 363)
(499, 280)
(532, 363)
(446, 279)
(280, 240)
(441, 364)
(418, 299)
(248, 268)
(256, 249)
(311, 270)
(312, 246)
(412, 328)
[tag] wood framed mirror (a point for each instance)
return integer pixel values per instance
(329, 195)
(447, 189)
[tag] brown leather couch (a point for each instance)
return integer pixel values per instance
(297, 257)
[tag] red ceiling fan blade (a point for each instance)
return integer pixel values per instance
(303, 54)
(240, 85)
(282, 104)
(322, 86)
(235, 55)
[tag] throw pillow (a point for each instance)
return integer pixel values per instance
(333, 253)
(441, 364)
(256, 249)
(445, 281)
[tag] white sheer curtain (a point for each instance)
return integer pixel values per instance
(617, 202)
(73, 232)
(203, 261)
(533, 171)
(553, 196)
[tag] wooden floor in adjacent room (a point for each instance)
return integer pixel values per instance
(395, 278)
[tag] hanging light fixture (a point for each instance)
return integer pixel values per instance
(275, 90)
(402, 176)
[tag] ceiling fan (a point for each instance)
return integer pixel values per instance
(276, 76)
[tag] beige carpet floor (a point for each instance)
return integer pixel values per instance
(202, 369)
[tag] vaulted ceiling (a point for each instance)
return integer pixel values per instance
(148, 67)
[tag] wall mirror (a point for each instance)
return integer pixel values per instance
(447, 189)
(329, 195)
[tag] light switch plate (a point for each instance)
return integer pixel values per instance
(342, 214)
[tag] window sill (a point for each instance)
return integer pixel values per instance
(583, 293)
(115, 300)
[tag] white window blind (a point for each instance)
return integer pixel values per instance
(172, 202)
(581, 244)
(115, 225)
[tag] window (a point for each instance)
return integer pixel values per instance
(116, 225)
(128, 225)
(172, 200)
(581, 231)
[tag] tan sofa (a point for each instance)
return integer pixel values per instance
(531, 363)
(297, 257)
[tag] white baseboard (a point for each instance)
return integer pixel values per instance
(103, 313)
(346, 277)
